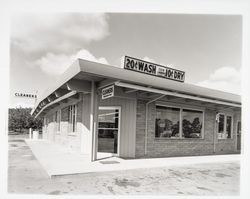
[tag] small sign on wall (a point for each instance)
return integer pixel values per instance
(108, 92)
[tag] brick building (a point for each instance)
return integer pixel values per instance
(139, 111)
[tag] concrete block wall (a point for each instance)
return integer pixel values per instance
(162, 147)
(64, 137)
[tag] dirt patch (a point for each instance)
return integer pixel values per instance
(178, 174)
(125, 182)
(111, 190)
(56, 192)
(222, 175)
(205, 172)
(204, 188)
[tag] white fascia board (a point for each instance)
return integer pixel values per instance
(57, 100)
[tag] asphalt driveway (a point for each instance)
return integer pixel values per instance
(26, 175)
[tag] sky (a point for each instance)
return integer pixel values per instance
(206, 47)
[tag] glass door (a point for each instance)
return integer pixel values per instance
(108, 130)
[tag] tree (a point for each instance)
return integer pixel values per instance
(186, 128)
(196, 125)
(175, 129)
(20, 119)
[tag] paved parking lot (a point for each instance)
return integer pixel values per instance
(27, 176)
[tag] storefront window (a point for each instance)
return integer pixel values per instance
(192, 123)
(224, 126)
(167, 122)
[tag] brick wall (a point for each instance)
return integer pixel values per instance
(140, 128)
(160, 147)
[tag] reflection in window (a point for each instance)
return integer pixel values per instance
(108, 127)
(192, 123)
(108, 123)
(167, 122)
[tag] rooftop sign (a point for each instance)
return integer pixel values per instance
(149, 68)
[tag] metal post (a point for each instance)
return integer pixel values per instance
(215, 132)
(30, 131)
(93, 121)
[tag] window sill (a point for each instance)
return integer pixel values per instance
(162, 138)
(169, 138)
(225, 138)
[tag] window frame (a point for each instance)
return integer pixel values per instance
(180, 122)
(72, 119)
(58, 121)
(203, 120)
(181, 137)
(225, 125)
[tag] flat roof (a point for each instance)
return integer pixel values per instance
(92, 71)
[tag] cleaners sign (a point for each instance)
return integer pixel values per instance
(108, 92)
(153, 69)
(25, 95)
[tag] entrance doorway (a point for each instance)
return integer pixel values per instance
(239, 135)
(108, 131)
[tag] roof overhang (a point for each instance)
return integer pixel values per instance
(176, 94)
(79, 75)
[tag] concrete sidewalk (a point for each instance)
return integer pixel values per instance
(57, 160)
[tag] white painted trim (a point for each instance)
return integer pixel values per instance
(119, 125)
(72, 107)
(154, 90)
(225, 126)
